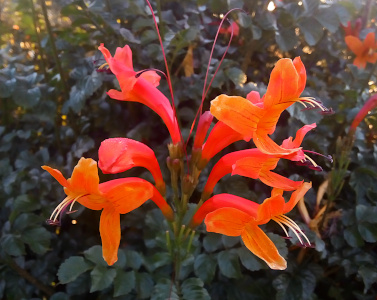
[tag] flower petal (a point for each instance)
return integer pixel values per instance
(260, 244)
(265, 144)
(124, 56)
(57, 175)
(152, 77)
(288, 143)
(278, 181)
(114, 94)
(228, 221)
(110, 234)
(354, 44)
(297, 196)
(126, 194)
(84, 179)
(238, 113)
(369, 41)
(270, 208)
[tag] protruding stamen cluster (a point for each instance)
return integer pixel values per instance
(60, 209)
(310, 163)
(284, 220)
(104, 68)
(311, 103)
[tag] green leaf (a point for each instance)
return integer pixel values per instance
(128, 36)
(236, 75)
(328, 18)
(27, 98)
(249, 260)
(38, 238)
(23, 203)
(71, 268)
(286, 39)
(310, 6)
(157, 260)
(144, 285)
(102, 277)
(12, 245)
(192, 288)
(369, 275)
(7, 87)
(287, 287)
(59, 296)
(134, 259)
(94, 254)
(205, 267)
(124, 282)
(366, 213)
(212, 242)
(82, 145)
(353, 237)
(229, 264)
(312, 30)
(165, 289)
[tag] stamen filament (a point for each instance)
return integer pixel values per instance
(311, 160)
(289, 220)
(289, 225)
(281, 225)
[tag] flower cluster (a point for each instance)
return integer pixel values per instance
(251, 118)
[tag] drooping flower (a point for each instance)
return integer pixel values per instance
(117, 155)
(115, 197)
(235, 216)
(255, 164)
(256, 118)
(365, 51)
(140, 87)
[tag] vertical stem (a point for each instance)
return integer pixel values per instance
(108, 5)
(40, 49)
(54, 50)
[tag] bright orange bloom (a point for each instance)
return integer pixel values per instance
(235, 216)
(255, 164)
(367, 107)
(117, 155)
(141, 88)
(115, 197)
(256, 118)
(365, 51)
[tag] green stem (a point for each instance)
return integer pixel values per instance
(40, 49)
(54, 50)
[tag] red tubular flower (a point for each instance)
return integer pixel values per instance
(368, 106)
(141, 88)
(203, 126)
(365, 51)
(220, 137)
(255, 164)
(115, 197)
(121, 154)
(352, 30)
(257, 118)
(235, 216)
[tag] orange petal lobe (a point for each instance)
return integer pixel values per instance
(124, 56)
(57, 175)
(84, 179)
(126, 194)
(270, 207)
(228, 221)
(265, 144)
(354, 44)
(110, 235)
(278, 181)
(114, 94)
(260, 244)
(296, 196)
(238, 113)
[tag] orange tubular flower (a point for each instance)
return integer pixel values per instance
(205, 121)
(255, 164)
(220, 137)
(121, 154)
(141, 88)
(115, 197)
(365, 51)
(257, 118)
(368, 106)
(235, 216)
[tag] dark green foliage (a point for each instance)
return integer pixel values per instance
(53, 115)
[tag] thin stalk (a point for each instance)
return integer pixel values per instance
(54, 50)
(162, 31)
(40, 49)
